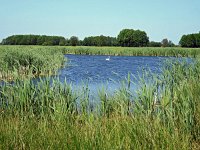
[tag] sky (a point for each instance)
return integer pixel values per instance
(158, 18)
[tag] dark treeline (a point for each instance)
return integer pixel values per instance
(34, 40)
(126, 38)
(154, 44)
(190, 40)
(100, 41)
(59, 40)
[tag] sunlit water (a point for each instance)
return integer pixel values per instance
(96, 72)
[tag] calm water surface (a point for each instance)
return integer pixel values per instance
(97, 72)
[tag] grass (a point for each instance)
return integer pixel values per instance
(28, 61)
(51, 116)
(133, 51)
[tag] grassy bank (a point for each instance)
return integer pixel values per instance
(126, 51)
(133, 51)
(43, 117)
(29, 61)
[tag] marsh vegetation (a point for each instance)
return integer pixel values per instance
(165, 113)
(25, 61)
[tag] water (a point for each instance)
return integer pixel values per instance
(97, 72)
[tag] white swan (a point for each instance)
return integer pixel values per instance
(108, 58)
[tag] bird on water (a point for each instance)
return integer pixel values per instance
(108, 58)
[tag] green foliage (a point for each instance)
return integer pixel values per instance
(126, 38)
(167, 43)
(62, 42)
(190, 40)
(74, 41)
(33, 40)
(154, 44)
(132, 38)
(100, 41)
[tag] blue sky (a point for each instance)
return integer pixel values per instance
(159, 18)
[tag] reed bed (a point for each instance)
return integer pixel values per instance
(133, 51)
(164, 114)
(29, 61)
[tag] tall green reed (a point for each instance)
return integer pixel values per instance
(132, 51)
(29, 60)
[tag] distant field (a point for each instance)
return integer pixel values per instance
(133, 51)
(127, 51)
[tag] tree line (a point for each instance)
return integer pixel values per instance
(190, 40)
(100, 41)
(59, 40)
(126, 38)
(33, 40)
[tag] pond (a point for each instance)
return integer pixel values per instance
(97, 71)
(90, 74)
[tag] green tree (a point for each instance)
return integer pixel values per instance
(32, 40)
(154, 44)
(190, 40)
(197, 37)
(165, 42)
(99, 41)
(132, 38)
(74, 41)
(62, 42)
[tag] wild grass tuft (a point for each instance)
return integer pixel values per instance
(28, 61)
